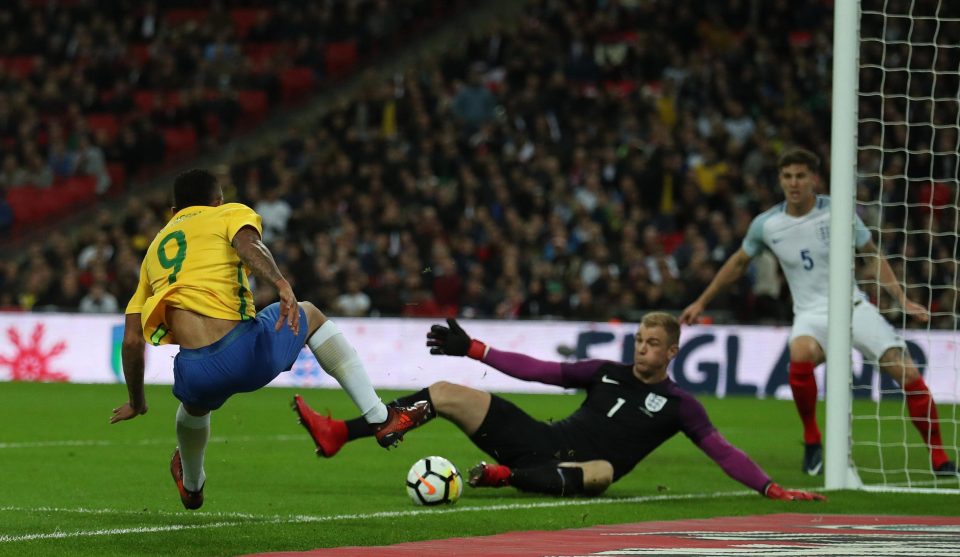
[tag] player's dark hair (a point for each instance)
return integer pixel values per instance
(194, 187)
(665, 321)
(797, 155)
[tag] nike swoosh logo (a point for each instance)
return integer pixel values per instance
(774, 241)
(815, 470)
(430, 489)
(606, 379)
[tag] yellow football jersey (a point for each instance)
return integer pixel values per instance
(191, 264)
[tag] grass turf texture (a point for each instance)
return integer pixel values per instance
(262, 475)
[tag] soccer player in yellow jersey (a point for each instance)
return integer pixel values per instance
(194, 292)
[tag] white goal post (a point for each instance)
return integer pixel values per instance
(895, 162)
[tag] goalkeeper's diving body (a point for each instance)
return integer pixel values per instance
(629, 411)
(797, 231)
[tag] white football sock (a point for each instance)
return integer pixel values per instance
(193, 432)
(340, 361)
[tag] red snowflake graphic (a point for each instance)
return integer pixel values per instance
(31, 362)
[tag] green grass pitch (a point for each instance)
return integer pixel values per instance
(73, 485)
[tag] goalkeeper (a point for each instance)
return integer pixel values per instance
(629, 411)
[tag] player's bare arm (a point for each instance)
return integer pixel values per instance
(257, 257)
(732, 270)
(890, 283)
(132, 356)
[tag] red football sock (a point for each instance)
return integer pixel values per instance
(804, 387)
(923, 412)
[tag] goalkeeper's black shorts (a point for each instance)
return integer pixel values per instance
(512, 437)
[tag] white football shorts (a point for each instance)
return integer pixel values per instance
(872, 334)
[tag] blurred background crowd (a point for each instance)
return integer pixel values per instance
(588, 161)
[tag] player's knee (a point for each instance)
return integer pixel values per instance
(444, 394)
(315, 317)
(805, 349)
(898, 364)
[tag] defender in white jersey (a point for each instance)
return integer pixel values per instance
(797, 231)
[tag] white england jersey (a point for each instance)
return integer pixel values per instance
(802, 245)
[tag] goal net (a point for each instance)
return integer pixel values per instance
(906, 193)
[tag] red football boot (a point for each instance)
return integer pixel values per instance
(400, 419)
(489, 475)
(191, 500)
(327, 434)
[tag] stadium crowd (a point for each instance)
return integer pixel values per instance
(588, 161)
(109, 89)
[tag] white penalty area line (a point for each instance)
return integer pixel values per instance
(143, 442)
(250, 519)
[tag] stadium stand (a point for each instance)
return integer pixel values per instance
(586, 161)
(147, 84)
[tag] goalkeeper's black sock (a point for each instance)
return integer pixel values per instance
(358, 427)
(413, 398)
(552, 479)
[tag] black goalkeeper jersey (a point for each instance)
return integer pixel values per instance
(623, 419)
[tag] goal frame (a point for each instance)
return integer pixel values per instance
(839, 472)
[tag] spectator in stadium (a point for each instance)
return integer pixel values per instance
(193, 291)
(98, 300)
(797, 231)
(629, 411)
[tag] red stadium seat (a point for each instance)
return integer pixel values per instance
(118, 176)
(179, 141)
(74, 191)
(212, 123)
(296, 83)
(254, 105)
(21, 200)
(20, 66)
(106, 122)
(244, 19)
(340, 58)
(261, 54)
(139, 53)
(143, 99)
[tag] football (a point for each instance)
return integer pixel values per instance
(434, 480)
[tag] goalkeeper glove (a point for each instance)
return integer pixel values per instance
(454, 341)
(774, 491)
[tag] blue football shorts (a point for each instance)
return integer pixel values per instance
(247, 358)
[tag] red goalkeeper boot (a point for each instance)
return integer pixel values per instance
(327, 434)
(191, 500)
(400, 419)
(489, 475)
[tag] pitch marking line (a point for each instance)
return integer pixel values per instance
(163, 441)
(299, 519)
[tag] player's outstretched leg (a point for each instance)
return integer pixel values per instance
(340, 360)
(400, 419)
(329, 435)
(191, 500)
(484, 474)
(563, 479)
